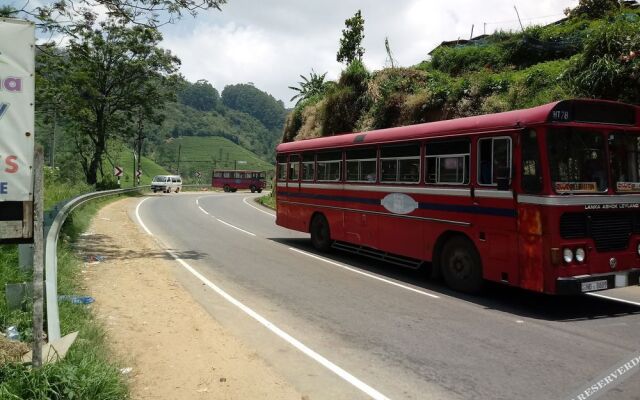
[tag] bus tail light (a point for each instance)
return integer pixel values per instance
(638, 249)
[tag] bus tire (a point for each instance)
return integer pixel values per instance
(461, 265)
(226, 188)
(259, 190)
(320, 233)
(234, 190)
(252, 188)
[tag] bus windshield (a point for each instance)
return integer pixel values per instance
(624, 149)
(577, 160)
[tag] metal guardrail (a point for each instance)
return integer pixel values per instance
(53, 224)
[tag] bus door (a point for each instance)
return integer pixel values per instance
(530, 239)
(496, 208)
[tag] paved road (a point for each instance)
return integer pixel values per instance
(339, 326)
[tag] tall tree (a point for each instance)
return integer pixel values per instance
(113, 74)
(200, 95)
(351, 41)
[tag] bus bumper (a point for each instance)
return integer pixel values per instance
(591, 283)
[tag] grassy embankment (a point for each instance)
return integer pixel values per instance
(88, 371)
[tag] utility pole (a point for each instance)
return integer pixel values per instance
(518, 14)
(472, 26)
(179, 151)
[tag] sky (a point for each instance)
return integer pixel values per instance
(272, 42)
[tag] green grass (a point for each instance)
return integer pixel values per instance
(88, 371)
(268, 200)
(203, 154)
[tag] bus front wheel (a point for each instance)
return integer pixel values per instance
(320, 233)
(253, 189)
(226, 188)
(461, 266)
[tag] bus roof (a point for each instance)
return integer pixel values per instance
(500, 121)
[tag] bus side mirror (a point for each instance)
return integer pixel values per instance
(503, 183)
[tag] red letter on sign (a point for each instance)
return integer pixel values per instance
(12, 167)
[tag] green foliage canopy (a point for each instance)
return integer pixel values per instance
(200, 95)
(262, 106)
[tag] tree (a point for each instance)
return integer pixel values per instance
(593, 8)
(200, 95)
(67, 15)
(314, 85)
(253, 101)
(113, 75)
(351, 41)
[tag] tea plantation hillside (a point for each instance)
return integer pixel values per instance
(203, 154)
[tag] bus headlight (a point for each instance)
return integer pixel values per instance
(567, 255)
(580, 254)
(638, 249)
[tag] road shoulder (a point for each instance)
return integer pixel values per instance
(174, 347)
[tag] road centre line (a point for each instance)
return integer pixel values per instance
(235, 227)
(373, 393)
(203, 210)
(365, 273)
(250, 205)
(613, 298)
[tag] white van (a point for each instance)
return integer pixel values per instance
(166, 183)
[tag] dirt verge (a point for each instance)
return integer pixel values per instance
(174, 348)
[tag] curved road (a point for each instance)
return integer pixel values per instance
(344, 327)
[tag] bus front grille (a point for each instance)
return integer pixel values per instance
(610, 231)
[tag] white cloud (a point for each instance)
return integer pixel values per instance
(272, 43)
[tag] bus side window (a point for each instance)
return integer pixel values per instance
(281, 167)
(531, 174)
(400, 164)
(294, 167)
(447, 162)
(328, 166)
(308, 167)
(361, 165)
(494, 161)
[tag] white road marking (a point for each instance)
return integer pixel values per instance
(140, 219)
(252, 206)
(203, 210)
(614, 298)
(365, 273)
(373, 393)
(235, 227)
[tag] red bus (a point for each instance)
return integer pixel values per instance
(232, 180)
(546, 199)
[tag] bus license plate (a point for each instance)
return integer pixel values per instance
(595, 285)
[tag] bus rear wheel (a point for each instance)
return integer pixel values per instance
(226, 188)
(461, 266)
(253, 189)
(320, 233)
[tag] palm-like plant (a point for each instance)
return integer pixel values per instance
(309, 87)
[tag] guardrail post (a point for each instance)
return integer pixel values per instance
(25, 257)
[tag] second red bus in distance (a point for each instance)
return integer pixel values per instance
(232, 180)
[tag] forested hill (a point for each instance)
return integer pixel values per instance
(242, 113)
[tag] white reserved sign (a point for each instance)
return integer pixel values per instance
(17, 98)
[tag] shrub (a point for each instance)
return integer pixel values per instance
(473, 57)
(609, 67)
